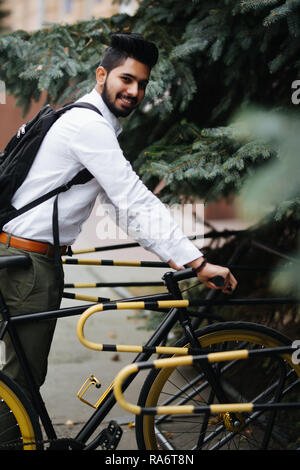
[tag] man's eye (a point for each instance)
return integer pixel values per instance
(126, 79)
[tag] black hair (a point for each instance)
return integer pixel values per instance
(124, 45)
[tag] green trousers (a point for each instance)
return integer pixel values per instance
(36, 288)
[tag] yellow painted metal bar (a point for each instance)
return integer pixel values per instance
(82, 261)
(87, 250)
(172, 362)
(181, 361)
(158, 349)
(84, 284)
(89, 298)
(232, 408)
(228, 355)
(175, 410)
(116, 262)
(160, 304)
(99, 262)
(130, 305)
(172, 350)
(80, 327)
(129, 348)
(125, 306)
(173, 303)
(125, 372)
(126, 263)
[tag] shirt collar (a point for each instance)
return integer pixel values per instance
(97, 100)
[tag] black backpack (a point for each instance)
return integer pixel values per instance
(18, 156)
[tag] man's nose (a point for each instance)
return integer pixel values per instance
(133, 89)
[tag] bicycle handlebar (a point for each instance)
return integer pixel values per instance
(189, 273)
(183, 274)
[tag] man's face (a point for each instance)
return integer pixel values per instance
(125, 87)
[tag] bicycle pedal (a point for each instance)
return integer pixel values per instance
(110, 436)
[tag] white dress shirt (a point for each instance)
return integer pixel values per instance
(80, 139)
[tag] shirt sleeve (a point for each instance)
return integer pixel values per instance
(136, 209)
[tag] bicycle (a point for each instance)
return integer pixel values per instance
(211, 383)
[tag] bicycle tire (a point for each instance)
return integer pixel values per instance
(19, 425)
(183, 433)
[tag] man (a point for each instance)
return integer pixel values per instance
(82, 138)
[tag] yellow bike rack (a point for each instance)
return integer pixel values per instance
(118, 347)
(175, 362)
(127, 306)
(183, 358)
(191, 409)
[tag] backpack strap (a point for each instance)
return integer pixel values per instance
(82, 177)
(78, 104)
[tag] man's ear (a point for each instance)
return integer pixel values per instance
(101, 75)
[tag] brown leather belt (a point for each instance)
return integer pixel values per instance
(29, 245)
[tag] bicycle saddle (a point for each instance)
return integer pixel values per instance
(15, 261)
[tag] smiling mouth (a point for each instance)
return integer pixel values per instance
(128, 102)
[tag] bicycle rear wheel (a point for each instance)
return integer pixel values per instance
(19, 426)
(252, 380)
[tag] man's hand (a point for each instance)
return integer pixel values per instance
(210, 271)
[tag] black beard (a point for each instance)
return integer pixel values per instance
(116, 111)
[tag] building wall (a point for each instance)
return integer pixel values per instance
(11, 118)
(31, 14)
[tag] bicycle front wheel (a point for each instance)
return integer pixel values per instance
(19, 426)
(255, 380)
